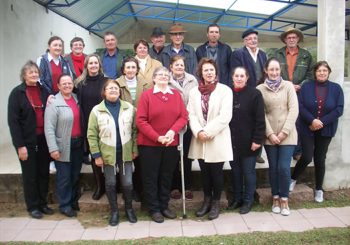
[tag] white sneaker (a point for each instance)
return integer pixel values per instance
(318, 195)
(292, 185)
(52, 167)
(285, 211)
(276, 206)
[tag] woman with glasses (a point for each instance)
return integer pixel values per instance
(161, 114)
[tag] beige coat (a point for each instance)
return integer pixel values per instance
(218, 148)
(151, 65)
(281, 111)
(125, 94)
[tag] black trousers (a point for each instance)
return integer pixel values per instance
(313, 147)
(157, 167)
(35, 175)
(212, 178)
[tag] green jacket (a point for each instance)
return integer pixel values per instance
(102, 134)
(303, 66)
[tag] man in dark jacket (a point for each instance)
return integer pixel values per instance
(253, 59)
(178, 47)
(218, 51)
(158, 41)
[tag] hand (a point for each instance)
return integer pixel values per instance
(274, 139)
(50, 99)
(22, 153)
(316, 125)
(255, 146)
(134, 155)
(55, 155)
(170, 136)
(281, 136)
(99, 162)
(296, 87)
(203, 136)
(162, 139)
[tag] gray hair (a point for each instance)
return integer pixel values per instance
(159, 69)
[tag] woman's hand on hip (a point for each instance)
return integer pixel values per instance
(22, 153)
(255, 146)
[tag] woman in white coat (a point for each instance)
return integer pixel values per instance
(210, 112)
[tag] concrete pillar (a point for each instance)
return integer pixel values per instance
(331, 47)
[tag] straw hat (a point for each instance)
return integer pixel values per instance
(292, 30)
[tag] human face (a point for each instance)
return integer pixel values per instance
(112, 92)
(239, 78)
(251, 41)
(31, 76)
(162, 79)
(110, 42)
(291, 40)
(177, 38)
(65, 85)
(130, 70)
(322, 74)
(213, 34)
(178, 68)
(273, 70)
(158, 42)
(77, 48)
(208, 73)
(55, 48)
(141, 51)
(93, 66)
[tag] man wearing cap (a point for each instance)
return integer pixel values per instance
(158, 41)
(296, 63)
(218, 51)
(253, 59)
(250, 57)
(178, 47)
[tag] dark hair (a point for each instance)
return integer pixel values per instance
(76, 39)
(206, 61)
(213, 25)
(176, 58)
(63, 75)
(108, 81)
(54, 38)
(140, 41)
(266, 65)
(27, 66)
(130, 59)
(108, 33)
(321, 63)
(240, 67)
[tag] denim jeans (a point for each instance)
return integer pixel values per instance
(67, 178)
(244, 179)
(279, 157)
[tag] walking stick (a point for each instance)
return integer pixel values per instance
(180, 148)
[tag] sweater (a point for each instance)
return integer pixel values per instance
(158, 113)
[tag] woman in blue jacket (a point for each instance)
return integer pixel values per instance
(321, 103)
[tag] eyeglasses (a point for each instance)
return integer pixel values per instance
(113, 88)
(177, 34)
(162, 75)
(292, 37)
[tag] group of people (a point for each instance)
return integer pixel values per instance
(125, 114)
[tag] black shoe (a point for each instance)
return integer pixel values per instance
(75, 207)
(36, 214)
(167, 213)
(46, 210)
(114, 220)
(157, 217)
(245, 208)
(69, 212)
(130, 215)
(235, 205)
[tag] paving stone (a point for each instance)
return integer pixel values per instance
(198, 228)
(138, 230)
(106, 233)
(33, 235)
(64, 235)
(42, 224)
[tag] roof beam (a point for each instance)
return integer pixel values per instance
(132, 10)
(67, 4)
(224, 12)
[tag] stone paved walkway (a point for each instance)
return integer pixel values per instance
(27, 229)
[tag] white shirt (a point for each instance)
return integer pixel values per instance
(166, 91)
(254, 55)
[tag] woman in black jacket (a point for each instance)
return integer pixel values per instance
(247, 134)
(26, 121)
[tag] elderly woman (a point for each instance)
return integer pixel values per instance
(52, 65)
(210, 112)
(321, 103)
(146, 63)
(111, 135)
(26, 106)
(161, 114)
(76, 58)
(89, 86)
(182, 82)
(63, 136)
(247, 133)
(281, 112)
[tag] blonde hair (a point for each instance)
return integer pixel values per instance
(82, 78)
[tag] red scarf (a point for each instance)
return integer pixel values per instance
(78, 63)
(206, 90)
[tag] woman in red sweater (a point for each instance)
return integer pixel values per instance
(161, 114)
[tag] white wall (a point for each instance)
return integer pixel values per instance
(25, 28)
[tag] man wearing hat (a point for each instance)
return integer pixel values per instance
(158, 40)
(178, 47)
(296, 65)
(218, 51)
(296, 62)
(253, 59)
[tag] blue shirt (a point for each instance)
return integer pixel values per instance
(110, 65)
